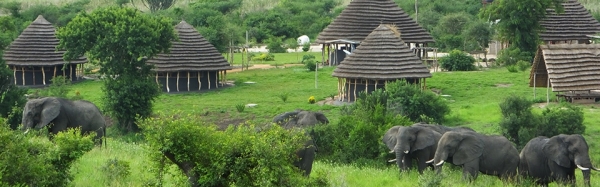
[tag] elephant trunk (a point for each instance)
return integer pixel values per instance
(400, 154)
(585, 165)
(27, 123)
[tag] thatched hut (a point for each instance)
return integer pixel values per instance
(573, 26)
(34, 59)
(380, 58)
(193, 63)
(360, 17)
(571, 70)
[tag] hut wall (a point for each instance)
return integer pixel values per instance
(183, 81)
(361, 85)
(34, 75)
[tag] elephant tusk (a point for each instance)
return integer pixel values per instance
(441, 162)
(403, 161)
(582, 168)
(429, 161)
(392, 151)
(406, 152)
(392, 160)
(594, 168)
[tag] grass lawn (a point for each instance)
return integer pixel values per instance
(280, 58)
(474, 98)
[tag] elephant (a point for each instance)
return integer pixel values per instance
(555, 159)
(491, 155)
(418, 142)
(63, 114)
(300, 118)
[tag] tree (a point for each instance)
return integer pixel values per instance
(519, 20)
(11, 96)
(120, 40)
(479, 34)
(291, 43)
(155, 5)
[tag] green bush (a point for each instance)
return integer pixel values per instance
(512, 68)
(239, 155)
(276, 45)
(263, 57)
(12, 98)
(565, 119)
(27, 160)
(458, 61)
(116, 169)
(58, 88)
(307, 57)
(416, 104)
(240, 107)
(512, 55)
(306, 47)
(283, 96)
(310, 65)
(518, 123)
(523, 65)
(357, 135)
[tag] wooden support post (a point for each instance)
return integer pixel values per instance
(177, 82)
(15, 74)
(167, 83)
(23, 74)
(534, 80)
(188, 81)
(208, 77)
(156, 78)
(70, 72)
(424, 83)
(33, 74)
(367, 86)
(54, 72)
(43, 76)
(199, 82)
(548, 91)
(376, 81)
(354, 90)
(217, 79)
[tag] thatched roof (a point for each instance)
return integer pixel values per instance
(574, 24)
(570, 67)
(191, 53)
(360, 17)
(383, 56)
(36, 46)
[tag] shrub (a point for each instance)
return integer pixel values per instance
(27, 160)
(310, 65)
(275, 45)
(116, 169)
(523, 65)
(58, 88)
(239, 155)
(307, 57)
(283, 96)
(264, 57)
(512, 68)
(311, 99)
(357, 135)
(510, 56)
(566, 119)
(306, 47)
(458, 61)
(416, 104)
(518, 123)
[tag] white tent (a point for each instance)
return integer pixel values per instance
(303, 40)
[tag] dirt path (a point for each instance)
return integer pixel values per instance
(260, 66)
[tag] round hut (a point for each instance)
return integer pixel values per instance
(574, 26)
(34, 59)
(382, 57)
(193, 63)
(359, 18)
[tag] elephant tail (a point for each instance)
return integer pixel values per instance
(104, 137)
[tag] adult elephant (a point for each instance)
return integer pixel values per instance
(412, 142)
(555, 159)
(491, 155)
(417, 142)
(64, 114)
(300, 118)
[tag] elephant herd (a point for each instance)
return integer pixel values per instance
(543, 159)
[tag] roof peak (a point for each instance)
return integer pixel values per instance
(41, 20)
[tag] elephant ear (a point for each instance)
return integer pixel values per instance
(425, 138)
(389, 139)
(556, 150)
(321, 117)
(50, 110)
(469, 148)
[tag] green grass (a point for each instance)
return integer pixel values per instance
(474, 100)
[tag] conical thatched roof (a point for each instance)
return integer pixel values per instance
(574, 24)
(191, 53)
(384, 56)
(36, 46)
(360, 17)
(570, 67)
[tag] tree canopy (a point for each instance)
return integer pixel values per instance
(120, 40)
(519, 20)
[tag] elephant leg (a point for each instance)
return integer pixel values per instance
(471, 170)
(422, 157)
(558, 173)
